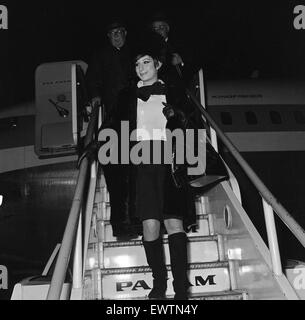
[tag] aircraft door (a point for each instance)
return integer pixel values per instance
(54, 114)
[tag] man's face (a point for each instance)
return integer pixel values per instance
(117, 37)
(161, 27)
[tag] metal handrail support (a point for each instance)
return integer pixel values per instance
(213, 135)
(283, 214)
(82, 239)
(268, 211)
(72, 224)
(62, 262)
(91, 196)
(77, 259)
(202, 101)
(89, 211)
(272, 239)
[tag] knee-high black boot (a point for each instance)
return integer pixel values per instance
(155, 259)
(178, 255)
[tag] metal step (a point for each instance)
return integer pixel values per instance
(130, 283)
(202, 230)
(103, 208)
(131, 253)
(222, 295)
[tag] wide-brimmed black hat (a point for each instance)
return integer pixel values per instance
(115, 23)
(159, 16)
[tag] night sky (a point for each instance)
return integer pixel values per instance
(233, 38)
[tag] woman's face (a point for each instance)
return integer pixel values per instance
(147, 69)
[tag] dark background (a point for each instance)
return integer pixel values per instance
(232, 38)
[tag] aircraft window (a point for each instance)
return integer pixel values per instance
(226, 118)
(251, 117)
(299, 116)
(275, 117)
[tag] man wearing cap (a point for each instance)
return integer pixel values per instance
(110, 71)
(176, 66)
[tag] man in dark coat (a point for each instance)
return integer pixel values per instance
(179, 59)
(110, 71)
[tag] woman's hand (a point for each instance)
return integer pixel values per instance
(168, 110)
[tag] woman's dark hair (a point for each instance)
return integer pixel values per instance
(139, 56)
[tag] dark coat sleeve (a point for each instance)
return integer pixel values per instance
(181, 104)
(94, 75)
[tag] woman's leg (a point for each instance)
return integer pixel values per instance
(151, 229)
(154, 251)
(173, 226)
(177, 242)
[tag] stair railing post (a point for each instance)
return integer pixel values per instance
(272, 239)
(213, 134)
(77, 261)
(284, 215)
(203, 103)
(89, 210)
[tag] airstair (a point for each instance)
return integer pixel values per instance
(228, 260)
(121, 266)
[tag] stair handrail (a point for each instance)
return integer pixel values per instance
(63, 258)
(265, 193)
